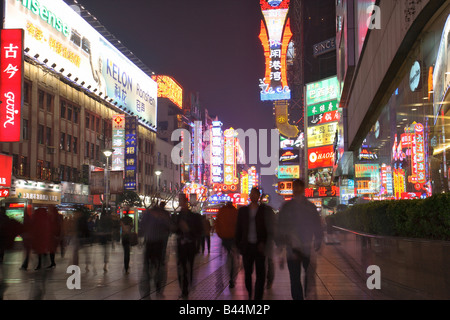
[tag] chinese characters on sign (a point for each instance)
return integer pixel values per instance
(275, 37)
(11, 78)
(118, 142)
(131, 151)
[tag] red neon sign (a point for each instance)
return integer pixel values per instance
(17, 205)
(5, 170)
(321, 157)
(11, 78)
(4, 193)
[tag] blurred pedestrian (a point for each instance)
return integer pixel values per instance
(271, 226)
(251, 239)
(55, 225)
(188, 230)
(81, 235)
(299, 229)
(9, 230)
(126, 223)
(206, 234)
(42, 234)
(104, 233)
(225, 227)
(27, 238)
(156, 227)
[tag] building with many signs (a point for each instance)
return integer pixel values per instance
(393, 92)
(83, 92)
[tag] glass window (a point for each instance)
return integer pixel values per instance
(75, 145)
(40, 134)
(25, 129)
(41, 98)
(63, 109)
(69, 143)
(48, 136)
(62, 141)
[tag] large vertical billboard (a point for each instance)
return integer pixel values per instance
(11, 79)
(275, 36)
(55, 34)
(118, 142)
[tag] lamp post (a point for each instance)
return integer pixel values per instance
(107, 153)
(158, 173)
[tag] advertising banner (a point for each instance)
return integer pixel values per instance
(56, 32)
(321, 157)
(131, 153)
(321, 91)
(289, 172)
(5, 170)
(11, 79)
(118, 142)
(322, 135)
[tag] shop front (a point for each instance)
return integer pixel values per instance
(405, 155)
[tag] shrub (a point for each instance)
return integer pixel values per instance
(421, 218)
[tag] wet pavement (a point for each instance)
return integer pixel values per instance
(333, 277)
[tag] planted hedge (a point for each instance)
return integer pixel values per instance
(421, 218)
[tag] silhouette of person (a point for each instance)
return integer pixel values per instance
(299, 228)
(156, 227)
(126, 224)
(188, 229)
(251, 238)
(226, 230)
(9, 230)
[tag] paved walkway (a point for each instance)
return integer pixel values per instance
(333, 278)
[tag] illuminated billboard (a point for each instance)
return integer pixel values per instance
(229, 167)
(118, 142)
(169, 88)
(322, 135)
(11, 81)
(275, 36)
(321, 157)
(55, 34)
(289, 172)
(216, 152)
(321, 91)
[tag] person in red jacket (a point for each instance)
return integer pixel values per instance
(41, 234)
(226, 229)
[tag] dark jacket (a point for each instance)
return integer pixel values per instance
(242, 228)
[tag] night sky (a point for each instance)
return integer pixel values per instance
(210, 47)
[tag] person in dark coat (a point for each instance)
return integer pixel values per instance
(251, 238)
(189, 231)
(126, 224)
(9, 230)
(299, 231)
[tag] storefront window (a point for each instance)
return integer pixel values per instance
(406, 154)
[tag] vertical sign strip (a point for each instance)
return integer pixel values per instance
(11, 81)
(130, 182)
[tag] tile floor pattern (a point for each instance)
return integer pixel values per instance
(333, 278)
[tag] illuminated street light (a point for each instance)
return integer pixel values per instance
(108, 153)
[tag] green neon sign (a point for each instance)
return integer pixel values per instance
(322, 91)
(46, 15)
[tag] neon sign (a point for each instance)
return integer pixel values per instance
(321, 91)
(169, 88)
(118, 142)
(230, 157)
(216, 152)
(275, 39)
(11, 78)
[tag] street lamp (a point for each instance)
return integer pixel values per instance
(158, 173)
(108, 153)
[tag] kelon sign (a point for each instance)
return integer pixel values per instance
(11, 78)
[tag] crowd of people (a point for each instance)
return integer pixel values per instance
(253, 232)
